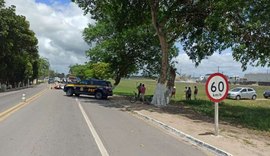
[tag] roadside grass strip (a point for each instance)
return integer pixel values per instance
(8, 112)
(185, 137)
(251, 114)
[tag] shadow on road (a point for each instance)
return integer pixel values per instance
(235, 115)
(122, 103)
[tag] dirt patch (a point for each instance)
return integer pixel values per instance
(232, 138)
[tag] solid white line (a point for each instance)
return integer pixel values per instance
(99, 143)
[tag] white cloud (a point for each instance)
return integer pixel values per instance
(58, 28)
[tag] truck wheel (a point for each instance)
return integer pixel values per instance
(238, 97)
(69, 92)
(98, 95)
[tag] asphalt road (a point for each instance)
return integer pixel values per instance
(10, 99)
(57, 125)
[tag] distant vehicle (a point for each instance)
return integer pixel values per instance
(266, 94)
(57, 79)
(59, 86)
(101, 89)
(242, 93)
(51, 80)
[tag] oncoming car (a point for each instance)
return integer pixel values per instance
(101, 89)
(242, 93)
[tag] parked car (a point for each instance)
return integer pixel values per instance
(242, 93)
(266, 94)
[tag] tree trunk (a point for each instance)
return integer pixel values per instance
(172, 76)
(170, 83)
(116, 81)
(171, 80)
(161, 96)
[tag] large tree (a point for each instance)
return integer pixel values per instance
(125, 50)
(18, 46)
(203, 27)
(43, 67)
(127, 46)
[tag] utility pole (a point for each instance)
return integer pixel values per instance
(218, 69)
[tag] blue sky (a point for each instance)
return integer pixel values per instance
(49, 2)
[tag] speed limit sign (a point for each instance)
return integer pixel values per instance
(217, 87)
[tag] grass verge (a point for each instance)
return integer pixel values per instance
(253, 114)
(256, 118)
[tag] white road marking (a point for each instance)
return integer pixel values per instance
(99, 143)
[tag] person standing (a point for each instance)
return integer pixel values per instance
(139, 89)
(186, 92)
(189, 93)
(173, 92)
(195, 92)
(142, 92)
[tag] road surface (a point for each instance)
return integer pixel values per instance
(57, 125)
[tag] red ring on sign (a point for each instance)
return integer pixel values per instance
(227, 88)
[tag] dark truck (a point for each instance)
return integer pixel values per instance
(101, 89)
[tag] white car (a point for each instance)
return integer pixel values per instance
(242, 93)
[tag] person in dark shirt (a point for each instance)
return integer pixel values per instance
(189, 93)
(139, 89)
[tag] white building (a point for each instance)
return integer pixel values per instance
(258, 77)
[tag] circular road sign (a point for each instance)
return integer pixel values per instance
(217, 87)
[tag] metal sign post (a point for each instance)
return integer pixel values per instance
(216, 118)
(217, 88)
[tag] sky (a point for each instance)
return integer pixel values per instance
(58, 25)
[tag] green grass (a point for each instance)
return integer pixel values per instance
(128, 86)
(253, 114)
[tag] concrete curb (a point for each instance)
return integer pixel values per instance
(186, 137)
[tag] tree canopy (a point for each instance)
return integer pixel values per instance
(127, 46)
(18, 45)
(127, 51)
(202, 27)
(43, 67)
(99, 70)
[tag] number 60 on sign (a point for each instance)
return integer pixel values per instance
(217, 87)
